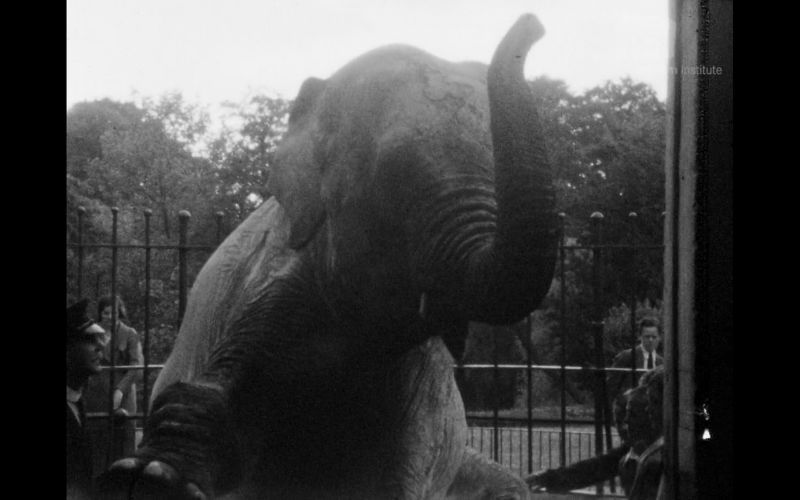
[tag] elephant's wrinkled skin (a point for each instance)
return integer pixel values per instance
(310, 362)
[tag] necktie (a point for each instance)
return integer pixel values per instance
(77, 410)
(81, 413)
(650, 361)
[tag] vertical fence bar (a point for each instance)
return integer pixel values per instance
(114, 265)
(219, 216)
(461, 386)
(501, 454)
(183, 219)
(562, 257)
(495, 396)
(529, 423)
(81, 212)
(147, 256)
(597, 333)
(113, 341)
(570, 458)
(541, 449)
(632, 217)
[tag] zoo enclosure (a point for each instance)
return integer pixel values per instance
(525, 444)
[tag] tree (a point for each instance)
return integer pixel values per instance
(137, 158)
(243, 152)
(151, 165)
(606, 146)
(87, 122)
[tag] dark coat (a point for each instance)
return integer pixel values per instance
(620, 382)
(79, 456)
(649, 473)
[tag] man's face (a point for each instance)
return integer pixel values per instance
(84, 356)
(650, 338)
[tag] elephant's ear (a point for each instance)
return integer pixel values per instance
(303, 105)
(296, 180)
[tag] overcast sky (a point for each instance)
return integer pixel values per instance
(222, 50)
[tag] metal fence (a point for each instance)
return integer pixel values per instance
(525, 444)
(512, 445)
(114, 434)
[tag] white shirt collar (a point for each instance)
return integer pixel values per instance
(72, 395)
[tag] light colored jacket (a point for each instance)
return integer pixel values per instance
(128, 352)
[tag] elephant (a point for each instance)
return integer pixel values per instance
(315, 358)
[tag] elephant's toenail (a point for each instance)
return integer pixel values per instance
(125, 464)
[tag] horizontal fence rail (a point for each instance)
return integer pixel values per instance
(525, 443)
(606, 369)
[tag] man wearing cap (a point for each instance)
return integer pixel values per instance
(85, 341)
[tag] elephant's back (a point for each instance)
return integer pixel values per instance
(386, 80)
(404, 62)
(249, 258)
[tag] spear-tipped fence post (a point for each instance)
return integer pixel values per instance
(115, 443)
(597, 330)
(147, 271)
(562, 257)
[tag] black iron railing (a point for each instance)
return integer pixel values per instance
(526, 444)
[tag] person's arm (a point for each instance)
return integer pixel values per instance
(581, 474)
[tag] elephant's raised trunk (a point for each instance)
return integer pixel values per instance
(509, 277)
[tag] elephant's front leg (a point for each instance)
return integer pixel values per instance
(194, 443)
(428, 424)
(189, 449)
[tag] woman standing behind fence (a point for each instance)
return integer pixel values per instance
(128, 351)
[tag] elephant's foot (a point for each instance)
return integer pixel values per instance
(188, 450)
(133, 478)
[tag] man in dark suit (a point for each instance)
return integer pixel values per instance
(85, 342)
(644, 356)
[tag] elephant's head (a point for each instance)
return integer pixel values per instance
(412, 187)
(424, 181)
